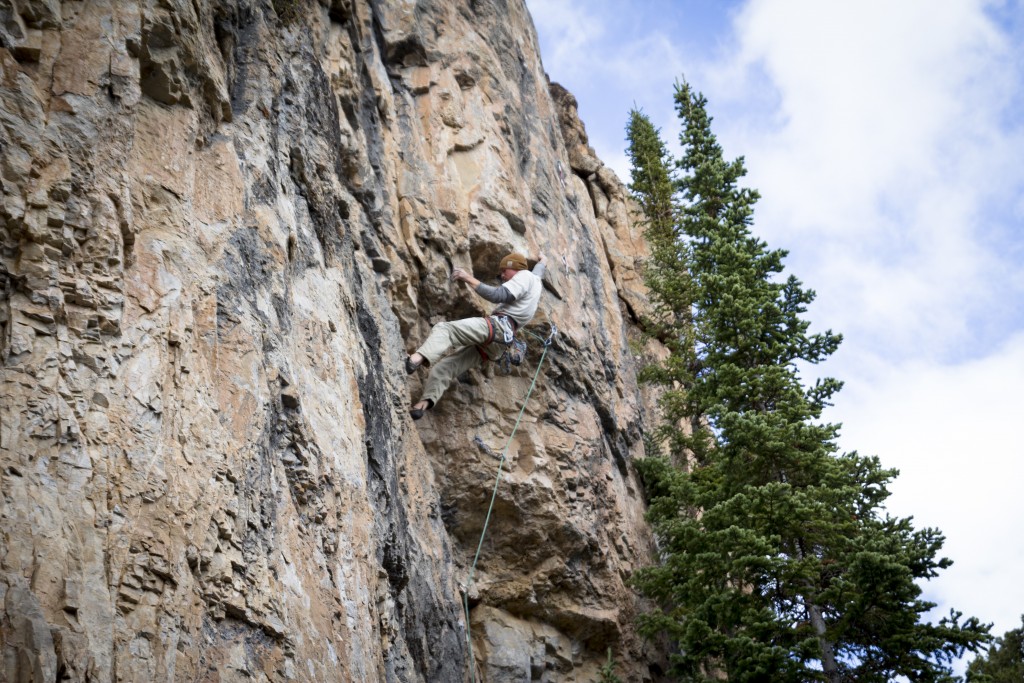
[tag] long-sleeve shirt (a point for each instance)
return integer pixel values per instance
(518, 297)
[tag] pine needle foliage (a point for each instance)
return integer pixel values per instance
(1004, 661)
(779, 561)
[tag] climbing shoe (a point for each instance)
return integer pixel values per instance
(417, 413)
(411, 367)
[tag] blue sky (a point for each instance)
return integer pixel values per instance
(887, 141)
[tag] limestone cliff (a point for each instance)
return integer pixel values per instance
(223, 225)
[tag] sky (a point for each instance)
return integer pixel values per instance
(887, 142)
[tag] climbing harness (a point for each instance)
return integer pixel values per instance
(494, 494)
(515, 350)
(495, 323)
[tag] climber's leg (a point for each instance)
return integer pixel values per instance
(444, 372)
(447, 335)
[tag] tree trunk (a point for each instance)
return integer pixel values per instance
(828, 657)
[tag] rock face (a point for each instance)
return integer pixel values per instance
(223, 225)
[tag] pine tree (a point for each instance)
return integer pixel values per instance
(671, 319)
(779, 561)
(1004, 662)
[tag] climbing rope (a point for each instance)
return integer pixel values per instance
(494, 494)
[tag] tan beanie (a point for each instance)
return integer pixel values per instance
(514, 261)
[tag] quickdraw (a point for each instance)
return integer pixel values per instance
(515, 351)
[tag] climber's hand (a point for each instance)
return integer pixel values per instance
(460, 274)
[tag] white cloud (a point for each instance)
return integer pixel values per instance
(875, 84)
(571, 35)
(888, 142)
(954, 434)
(610, 59)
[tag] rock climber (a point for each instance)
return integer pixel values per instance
(478, 339)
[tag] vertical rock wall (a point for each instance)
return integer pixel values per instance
(223, 224)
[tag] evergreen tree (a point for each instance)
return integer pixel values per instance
(671, 320)
(779, 561)
(1004, 662)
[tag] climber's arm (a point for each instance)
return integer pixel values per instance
(541, 265)
(496, 295)
(465, 276)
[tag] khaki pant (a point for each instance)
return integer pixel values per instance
(464, 336)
